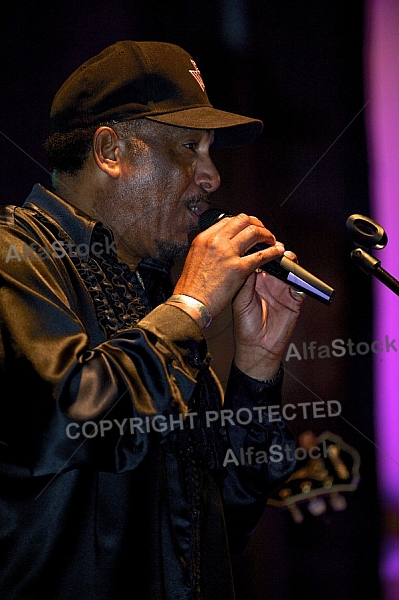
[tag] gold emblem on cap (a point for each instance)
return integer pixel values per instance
(197, 75)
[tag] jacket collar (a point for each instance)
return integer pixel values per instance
(77, 224)
(80, 227)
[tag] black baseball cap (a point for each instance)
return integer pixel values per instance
(155, 80)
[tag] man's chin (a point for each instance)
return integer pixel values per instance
(169, 251)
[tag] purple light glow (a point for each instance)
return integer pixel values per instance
(390, 563)
(382, 121)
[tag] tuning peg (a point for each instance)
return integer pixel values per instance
(317, 507)
(338, 502)
(296, 513)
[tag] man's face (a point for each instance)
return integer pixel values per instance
(163, 188)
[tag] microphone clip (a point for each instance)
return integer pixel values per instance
(368, 234)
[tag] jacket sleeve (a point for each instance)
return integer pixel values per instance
(260, 451)
(71, 405)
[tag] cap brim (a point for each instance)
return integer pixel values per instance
(231, 130)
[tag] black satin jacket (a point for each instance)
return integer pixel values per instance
(124, 473)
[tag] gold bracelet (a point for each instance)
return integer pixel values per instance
(193, 303)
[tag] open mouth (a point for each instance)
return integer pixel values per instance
(196, 209)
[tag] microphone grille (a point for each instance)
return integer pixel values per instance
(210, 217)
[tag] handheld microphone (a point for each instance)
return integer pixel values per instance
(282, 268)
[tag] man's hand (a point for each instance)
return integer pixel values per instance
(217, 271)
(265, 314)
(216, 266)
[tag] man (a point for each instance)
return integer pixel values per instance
(125, 474)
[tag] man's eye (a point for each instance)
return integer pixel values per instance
(191, 145)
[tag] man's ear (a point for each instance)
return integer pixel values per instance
(107, 151)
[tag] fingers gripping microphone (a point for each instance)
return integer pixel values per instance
(282, 268)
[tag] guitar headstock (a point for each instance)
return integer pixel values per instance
(329, 470)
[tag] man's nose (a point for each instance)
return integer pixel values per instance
(206, 175)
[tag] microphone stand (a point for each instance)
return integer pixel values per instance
(372, 266)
